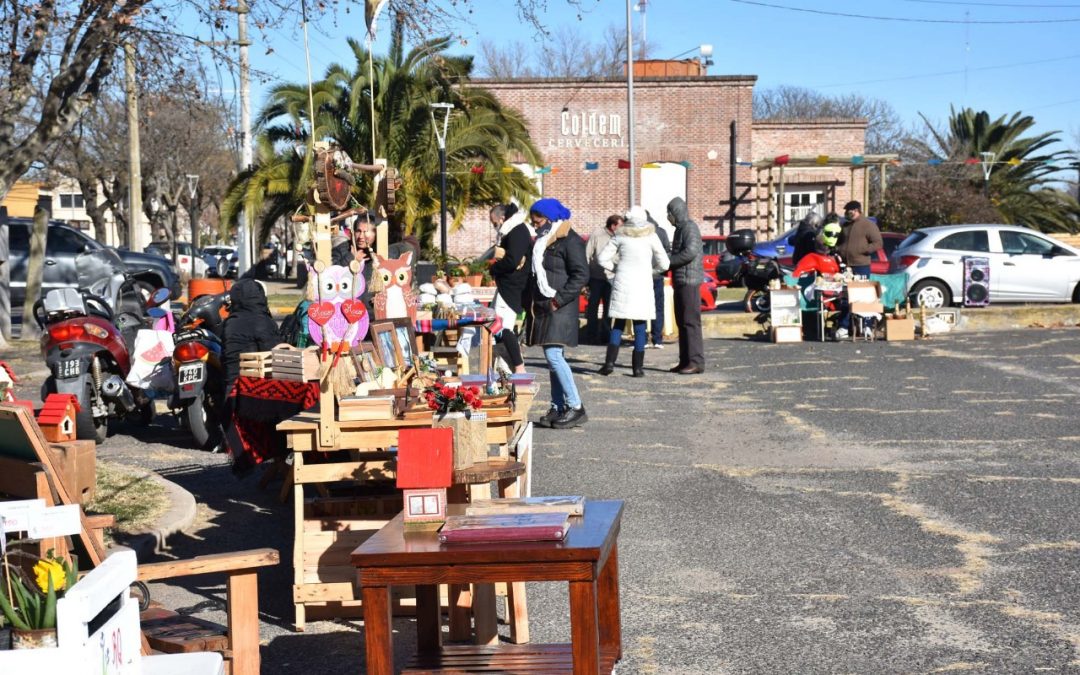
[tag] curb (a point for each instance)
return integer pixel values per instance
(179, 516)
(730, 324)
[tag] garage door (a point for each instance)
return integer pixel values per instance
(660, 185)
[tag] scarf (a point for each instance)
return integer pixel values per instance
(510, 223)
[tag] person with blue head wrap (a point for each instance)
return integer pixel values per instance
(560, 271)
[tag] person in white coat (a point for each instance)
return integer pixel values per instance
(634, 253)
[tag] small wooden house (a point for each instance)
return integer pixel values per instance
(424, 471)
(57, 417)
(7, 383)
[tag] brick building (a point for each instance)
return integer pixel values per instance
(686, 129)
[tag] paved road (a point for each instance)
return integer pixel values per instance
(857, 508)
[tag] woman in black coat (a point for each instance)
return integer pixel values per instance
(560, 271)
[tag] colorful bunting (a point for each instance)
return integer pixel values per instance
(857, 159)
(592, 166)
(822, 160)
(624, 164)
(650, 165)
(1015, 161)
(479, 169)
(782, 160)
(553, 169)
(934, 161)
(971, 160)
(544, 169)
(508, 169)
(685, 164)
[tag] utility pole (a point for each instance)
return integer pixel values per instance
(135, 242)
(245, 236)
(630, 99)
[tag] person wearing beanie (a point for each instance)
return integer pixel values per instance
(513, 258)
(559, 271)
(859, 240)
(630, 259)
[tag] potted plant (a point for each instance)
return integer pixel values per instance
(479, 272)
(29, 605)
(455, 407)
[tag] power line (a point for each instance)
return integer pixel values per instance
(992, 4)
(951, 72)
(903, 19)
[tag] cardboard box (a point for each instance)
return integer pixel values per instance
(77, 463)
(787, 334)
(867, 308)
(899, 329)
(864, 291)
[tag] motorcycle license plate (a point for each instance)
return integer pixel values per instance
(69, 369)
(190, 374)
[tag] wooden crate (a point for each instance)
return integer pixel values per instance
(255, 364)
(353, 408)
(293, 363)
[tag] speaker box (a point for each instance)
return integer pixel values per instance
(976, 282)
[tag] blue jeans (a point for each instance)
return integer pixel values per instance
(861, 270)
(564, 393)
(658, 322)
(639, 335)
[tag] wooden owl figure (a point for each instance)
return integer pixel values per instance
(397, 299)
(337, 290)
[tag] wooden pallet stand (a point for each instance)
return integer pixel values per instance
(256, 364)
(293, 363)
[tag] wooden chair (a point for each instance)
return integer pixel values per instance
(27, 471)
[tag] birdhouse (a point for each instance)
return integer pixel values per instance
(57, 417)
(424, 471)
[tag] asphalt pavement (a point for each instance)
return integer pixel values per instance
(814, 508)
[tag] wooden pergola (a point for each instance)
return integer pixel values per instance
(773, 180)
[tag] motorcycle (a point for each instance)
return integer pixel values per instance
(87, 341)
(742, 268)
(199, 369)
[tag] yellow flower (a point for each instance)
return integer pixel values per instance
(45, 569)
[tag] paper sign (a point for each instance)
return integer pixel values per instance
(55, 521)
(16, 515)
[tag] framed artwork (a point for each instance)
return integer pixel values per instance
(405, 337)
(365, 360)
(385, 341)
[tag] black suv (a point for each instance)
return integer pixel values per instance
(61, 247)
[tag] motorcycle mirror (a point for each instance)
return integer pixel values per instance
(159, 297)
(156, 313)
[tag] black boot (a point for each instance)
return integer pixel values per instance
(609, 360)
(639, 363)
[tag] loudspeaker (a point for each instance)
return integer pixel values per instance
(976, 282)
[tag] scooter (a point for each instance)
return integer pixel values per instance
(753, 272)
(198, 363)
(88, 336)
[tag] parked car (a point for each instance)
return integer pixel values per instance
(62, 244)
(1025, 265)
(712, 250)
(212, 254)
(183, 253)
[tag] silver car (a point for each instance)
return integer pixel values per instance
(1025, 265)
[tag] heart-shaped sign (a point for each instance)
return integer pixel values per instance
(320, 312)
(353, 310)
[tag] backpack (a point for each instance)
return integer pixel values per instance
(294, 329)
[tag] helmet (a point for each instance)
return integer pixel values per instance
(830, 234)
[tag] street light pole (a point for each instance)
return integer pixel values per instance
(987, 167)
(193, 189)
(440, 136)
(630, 100)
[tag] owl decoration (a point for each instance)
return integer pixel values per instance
(336, 312)
(397, 299)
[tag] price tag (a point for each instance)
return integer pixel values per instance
(16, 515)
(55, 521)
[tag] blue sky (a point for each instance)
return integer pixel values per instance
(1001, 68)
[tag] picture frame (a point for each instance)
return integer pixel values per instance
(384, 339)
(366, 361)
(405, 337)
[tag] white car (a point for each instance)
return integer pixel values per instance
(1025, 265)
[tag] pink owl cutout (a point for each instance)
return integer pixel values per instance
(398, 298)
(340, 287)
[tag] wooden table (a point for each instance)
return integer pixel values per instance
(587, 558)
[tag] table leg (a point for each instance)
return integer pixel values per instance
(584, 634)
(484, 617)
(517, 609)
(428, 624)
(609, 613)
(458, 597)
(377, 636)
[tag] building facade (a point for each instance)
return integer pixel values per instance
(694, 137)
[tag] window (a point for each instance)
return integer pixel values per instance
(63, 240)
(71, 201)
(969, 240)
(18, 237)
(1023, 243)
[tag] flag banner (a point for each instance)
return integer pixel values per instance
(624, 164)
(479, 168)
(822, 159)
(685, 164)
(592, 166)
(507, 169)
(650, 165)
(857, 159)
(782, 160)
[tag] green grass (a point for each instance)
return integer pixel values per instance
(133, 497)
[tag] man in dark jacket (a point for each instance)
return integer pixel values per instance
(560, 270)
(513, 258)
(805, 236)
(249, 328)
(859, 240)
(656, 332)
(687, 275)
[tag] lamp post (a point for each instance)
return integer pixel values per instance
(630, 104)
(193, 189)
(440, 136)
(987, 167)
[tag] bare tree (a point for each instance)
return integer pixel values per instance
(884, 130)
(565, 52)
(506, 62)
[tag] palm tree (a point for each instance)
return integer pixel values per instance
(1022, 176)
(482, 133)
